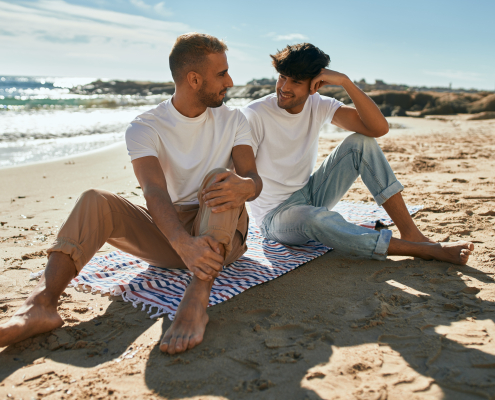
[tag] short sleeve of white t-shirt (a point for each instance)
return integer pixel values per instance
(243, 132)
(141, 139)
(187, 148)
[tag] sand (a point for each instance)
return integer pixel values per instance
(332, 329)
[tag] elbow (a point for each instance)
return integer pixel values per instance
(382, 131)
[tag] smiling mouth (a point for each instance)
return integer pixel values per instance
(284, 96)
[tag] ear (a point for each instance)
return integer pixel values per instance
(194, 79)
(313, 86)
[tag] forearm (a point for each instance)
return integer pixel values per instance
(370, 115)
(165, 217)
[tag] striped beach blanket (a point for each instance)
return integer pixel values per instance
(161, 290)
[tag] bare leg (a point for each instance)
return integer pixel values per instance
(396, 208)
(191, 318)
(39, 314)
(455, 253)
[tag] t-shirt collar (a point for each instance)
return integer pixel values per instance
(183, 118)
(287, 114)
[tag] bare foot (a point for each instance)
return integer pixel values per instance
(188, 327)
(455, 253)
(417, 238)
(30, 320)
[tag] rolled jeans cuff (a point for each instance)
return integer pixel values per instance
(381, 249)
(388, 192)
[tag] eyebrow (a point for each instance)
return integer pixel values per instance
(223, 72)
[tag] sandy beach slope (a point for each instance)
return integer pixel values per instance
(332, 329)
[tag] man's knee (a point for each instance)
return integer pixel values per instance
(94, 197)
(360, 141)
(210, 176)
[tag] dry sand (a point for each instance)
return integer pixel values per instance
(332, 329)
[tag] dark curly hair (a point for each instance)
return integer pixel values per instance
(300, 61)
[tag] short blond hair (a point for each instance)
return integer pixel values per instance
(190, 51)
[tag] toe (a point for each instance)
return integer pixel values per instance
(195, 340)
(179, 347)
(171, 345)
(185, 343)
(164, 344)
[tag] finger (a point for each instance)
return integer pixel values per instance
(213, 243)
(218, 178)
(209, 267)
(214, 194)
(221, 176)
(200, 274)
(218, 201)
(224, 207)
(214, 186)
(216, 266)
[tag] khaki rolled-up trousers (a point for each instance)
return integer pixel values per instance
(100, 216)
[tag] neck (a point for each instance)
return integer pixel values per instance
(187, 104)
(296, 109)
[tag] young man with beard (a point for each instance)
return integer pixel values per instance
(178, 149)
(295, 205)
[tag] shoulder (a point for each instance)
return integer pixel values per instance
(151, 117)
(147, 123)
(318, 99)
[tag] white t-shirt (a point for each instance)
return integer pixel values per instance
(187, 148)
(286, 146)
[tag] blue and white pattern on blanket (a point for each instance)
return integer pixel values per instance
(161, 289)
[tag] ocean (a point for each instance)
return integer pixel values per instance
(40, 120)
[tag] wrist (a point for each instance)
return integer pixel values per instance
(252, 185)
(178, 240)
(346, 82)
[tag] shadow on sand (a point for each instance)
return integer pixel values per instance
(393, 327)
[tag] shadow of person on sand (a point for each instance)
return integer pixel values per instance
(407, 326)
(84, 344)
(386, 336)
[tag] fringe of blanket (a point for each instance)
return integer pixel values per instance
(127, 297)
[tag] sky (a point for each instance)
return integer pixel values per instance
(431, 43)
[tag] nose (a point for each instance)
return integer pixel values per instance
(229, 82)
(284, 87)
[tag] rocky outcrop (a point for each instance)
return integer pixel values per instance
(133, 88)
(249, 91)
(485, 104)
(391, 102)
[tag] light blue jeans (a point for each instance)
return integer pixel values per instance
(305, 214)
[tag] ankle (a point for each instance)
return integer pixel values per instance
(43, 299)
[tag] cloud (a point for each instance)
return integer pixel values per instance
(457, 75)
(67, 39)
(49, 35)
(291, 37)
(6, 33)
(158, 8)
(73, 23)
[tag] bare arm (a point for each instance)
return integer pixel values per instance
(366, 118)
(231, 190)
(201, 254)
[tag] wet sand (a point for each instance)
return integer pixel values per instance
(332, 329)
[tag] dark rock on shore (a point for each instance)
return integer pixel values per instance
(134, 88)
(485, 104)
(249, 91)
(400, 101)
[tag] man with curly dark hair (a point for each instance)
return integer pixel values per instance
(295, 204)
